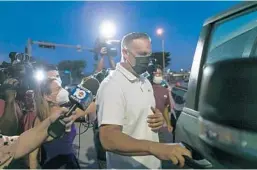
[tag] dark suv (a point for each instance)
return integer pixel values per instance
(219, 120)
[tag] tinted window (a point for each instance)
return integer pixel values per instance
(233, 38)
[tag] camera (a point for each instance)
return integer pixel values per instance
(100, 43)
(21, 68)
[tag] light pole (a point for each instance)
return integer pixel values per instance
(159, 32)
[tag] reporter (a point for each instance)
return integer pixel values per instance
(49, 96)
(30, 116)
(15, 147)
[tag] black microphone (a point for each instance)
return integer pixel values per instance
(90, 83)
(80, 97)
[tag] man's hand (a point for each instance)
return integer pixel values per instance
(170, 128)
(172, 152)
(103, 51)
(80, 113)
(156, 120)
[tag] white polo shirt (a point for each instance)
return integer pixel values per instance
(123, 99)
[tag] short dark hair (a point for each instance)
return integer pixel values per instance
(44, 87)
(127, 39)
(50, 67)
(158, 67)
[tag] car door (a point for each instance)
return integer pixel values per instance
(227, 36)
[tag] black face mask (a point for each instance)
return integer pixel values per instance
(141, 64)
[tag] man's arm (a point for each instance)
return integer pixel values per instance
(166, 116)
(100, 64)
(80, 113)
(114, 140)
(111, 61)
(110, 112)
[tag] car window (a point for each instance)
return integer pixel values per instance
(232, 38)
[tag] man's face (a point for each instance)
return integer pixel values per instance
(138, 48)
(55, 88)
(53, 74)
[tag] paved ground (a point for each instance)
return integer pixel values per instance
(87, 154)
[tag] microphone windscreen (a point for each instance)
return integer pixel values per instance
(90, 83)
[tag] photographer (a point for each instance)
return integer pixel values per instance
(103, 53)
(10, 121)
(15, 147)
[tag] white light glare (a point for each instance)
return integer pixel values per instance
(107, 29)
(39, 75)
(159, 31)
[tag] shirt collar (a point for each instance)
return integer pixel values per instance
(126, 73)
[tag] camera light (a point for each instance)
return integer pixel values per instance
(107, 29)
(39, 75)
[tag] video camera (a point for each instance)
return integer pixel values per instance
(21, 68)
(100, 43)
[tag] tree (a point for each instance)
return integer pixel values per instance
(76, 67)
(159, 58)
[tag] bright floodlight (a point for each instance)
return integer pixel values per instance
(159, 31)
(39, 75)
(107, 29)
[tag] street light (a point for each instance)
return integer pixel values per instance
(160, 32)
(107, 29)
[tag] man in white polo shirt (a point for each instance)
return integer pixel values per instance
(127, 119)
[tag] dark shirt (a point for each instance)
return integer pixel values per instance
(61, 146)
(161, 95)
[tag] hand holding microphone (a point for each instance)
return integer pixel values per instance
(81, 99)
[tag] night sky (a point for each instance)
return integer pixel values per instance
(78, 23)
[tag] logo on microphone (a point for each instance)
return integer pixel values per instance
(80, 94)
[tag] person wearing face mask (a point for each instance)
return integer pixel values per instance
(52, 72)
(30, 116)
(162, 96)
(56, 153)
(127, 117)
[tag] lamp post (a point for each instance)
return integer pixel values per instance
(159, 32)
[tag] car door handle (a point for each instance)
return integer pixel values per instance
(197, 161)
(197, 164)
